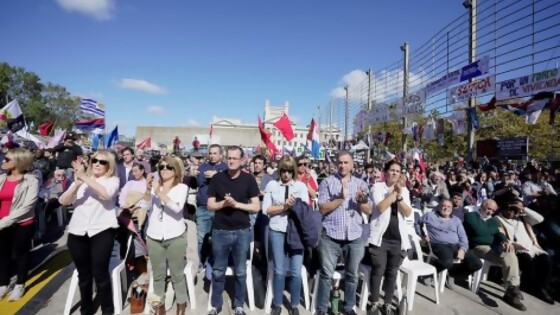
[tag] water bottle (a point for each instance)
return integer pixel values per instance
(335, 299)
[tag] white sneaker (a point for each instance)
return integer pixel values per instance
(17, 293)
(4, 290)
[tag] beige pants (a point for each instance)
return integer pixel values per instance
(508, 261)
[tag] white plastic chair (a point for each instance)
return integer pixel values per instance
(170, 293)
(116, 267)
(249, 280)
(416, 268)
(481, 274)
(270, 275)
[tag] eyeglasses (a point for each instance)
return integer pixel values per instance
(7, 159)
(302, 164)
(283, 170)
(102, 162)
(166, 166)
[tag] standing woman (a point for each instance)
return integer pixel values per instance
(91, 231)
(277, 207)
(167, 237)
(18, 195)
(388, 239)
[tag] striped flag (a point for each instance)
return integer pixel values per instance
(90, 106)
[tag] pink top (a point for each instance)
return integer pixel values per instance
(6, 197)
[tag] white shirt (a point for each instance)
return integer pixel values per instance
(93, 215)
(166, 221)
(380, 220)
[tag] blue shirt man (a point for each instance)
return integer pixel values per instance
(342, 200)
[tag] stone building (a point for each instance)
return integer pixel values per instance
(228, 131)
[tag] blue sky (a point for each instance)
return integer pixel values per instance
(179, 63)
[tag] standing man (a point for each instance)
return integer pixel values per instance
(232, 195)
(141, 159)
(196, 144)
(262, 177)
(205, 173)
(176, 143)
(67, 151)
(124, 169)
(342, 200)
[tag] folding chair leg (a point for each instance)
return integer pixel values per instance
(305, 287)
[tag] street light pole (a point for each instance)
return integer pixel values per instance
(471, 5)
(346, 116)
(405, 48)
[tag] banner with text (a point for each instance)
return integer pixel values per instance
(413, 103)
(473, 89)
(467, 72)
(545, 81)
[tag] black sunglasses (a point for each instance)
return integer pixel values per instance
(7, 159)
(167, 166)
(283, 170)
(102, 162)
(302, 164)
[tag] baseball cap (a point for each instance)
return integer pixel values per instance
(70, 136)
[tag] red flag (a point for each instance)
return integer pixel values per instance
(491, 105)
(265, 137)
(146, 143)
(285, 126)
(553, 107)
(45, 129)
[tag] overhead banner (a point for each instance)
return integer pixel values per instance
(545, 81)
(467, 72)
(384, 112)
(360, 121)
(473, 89)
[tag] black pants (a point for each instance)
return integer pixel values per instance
(15, 240)
(446, 253)
(51, 206)
(386, 261)
(91, 256)
(535, 272)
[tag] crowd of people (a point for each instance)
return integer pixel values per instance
(465, 214)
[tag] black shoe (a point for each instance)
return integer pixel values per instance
(517, 291)
(276, 310)
(374, 310)
(513, 299)
(293, 311)
(350, 312)
(386, 309)
(450, 283)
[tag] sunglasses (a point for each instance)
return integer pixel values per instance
(302, 164)
(283, 170)
(102, 162)
(166, 166)
(7, 159)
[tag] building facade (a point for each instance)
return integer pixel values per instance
(228, 131)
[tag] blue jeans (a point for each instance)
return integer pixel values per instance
(204, 219)
(281, 256)
(224, 243)
(329, 252)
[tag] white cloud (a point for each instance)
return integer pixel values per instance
(141, 85)
(155, 109)
(98, 9)
(192, 123)
(93, 95)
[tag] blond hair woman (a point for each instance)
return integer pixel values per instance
(18, 195)
(167, 237)
(92, 227)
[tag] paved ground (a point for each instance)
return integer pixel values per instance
(51, 298)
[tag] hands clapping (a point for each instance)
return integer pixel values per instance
(229, 201)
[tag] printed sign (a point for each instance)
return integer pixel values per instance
(468, 72)
(413, 103)
(473, 89)
(503, 148)
(545, 81)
